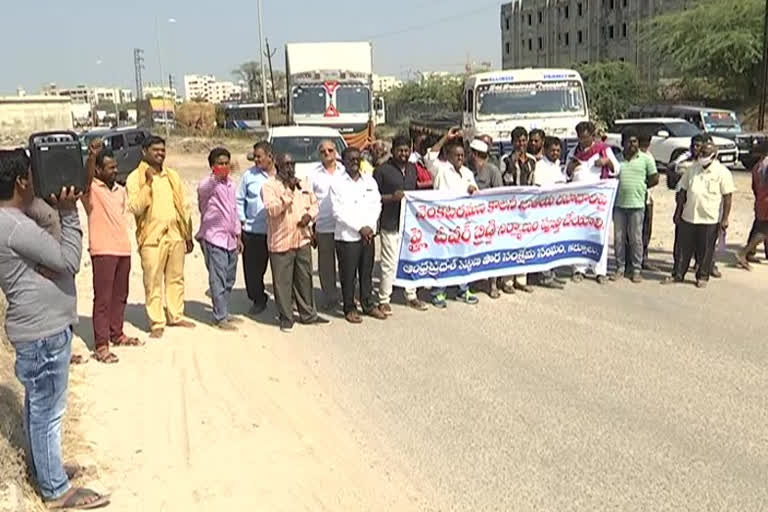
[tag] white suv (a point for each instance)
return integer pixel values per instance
(670, 138)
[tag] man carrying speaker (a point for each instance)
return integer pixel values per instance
(110, 247)
(164, 235)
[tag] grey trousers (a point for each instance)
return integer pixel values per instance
(326, 266)
(628, 225)
(292, 279)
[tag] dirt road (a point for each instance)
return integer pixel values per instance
(469, 409)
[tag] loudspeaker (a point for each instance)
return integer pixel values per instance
(57, 162)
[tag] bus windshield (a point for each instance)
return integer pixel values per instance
(354, 99)
(309, 100)
(721, 121)
(565, 97)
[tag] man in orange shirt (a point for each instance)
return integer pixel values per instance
(760, 228)
(110, 248)
(291, 207)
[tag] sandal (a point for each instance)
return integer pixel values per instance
(126, 341)
(77, 359)
(80, 498)
(103, 355)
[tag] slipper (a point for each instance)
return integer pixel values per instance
(127, 341)
(77, 359)
(77, 501)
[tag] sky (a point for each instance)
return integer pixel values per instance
(91, 42)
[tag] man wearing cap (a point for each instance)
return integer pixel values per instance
(487, 176)
(394, 177)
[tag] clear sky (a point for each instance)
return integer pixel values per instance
(91, 42)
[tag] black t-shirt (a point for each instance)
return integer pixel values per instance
(391, 179)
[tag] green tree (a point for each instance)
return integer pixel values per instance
(613, 87)
(444, 92)
(715, 40)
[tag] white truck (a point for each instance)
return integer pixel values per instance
(330, 84)
(552, 100)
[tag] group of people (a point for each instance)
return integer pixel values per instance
(273, 218)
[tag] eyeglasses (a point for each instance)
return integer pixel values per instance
(325, 151)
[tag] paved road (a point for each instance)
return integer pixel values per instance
(624, 397)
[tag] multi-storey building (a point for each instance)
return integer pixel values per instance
(206, 87)
(385, 83)
(563, 33)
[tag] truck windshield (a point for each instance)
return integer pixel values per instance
(304, 149)
(564, 97)
(354, 99)
(309, 100)
(721, 121)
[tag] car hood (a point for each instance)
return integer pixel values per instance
(722, 141)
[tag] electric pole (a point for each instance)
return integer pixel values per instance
(138, 65)
(271, 54)
(263, 72)
(764, 85)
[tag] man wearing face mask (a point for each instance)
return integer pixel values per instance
(220, 235)
(703, 209)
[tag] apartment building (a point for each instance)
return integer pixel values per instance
(83, 94)
(385, 83)
(564, 33)
(208, 88)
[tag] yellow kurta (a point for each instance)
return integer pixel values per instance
(163, 226)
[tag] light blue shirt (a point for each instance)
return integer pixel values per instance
(250, 205)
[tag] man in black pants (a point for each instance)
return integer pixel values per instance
(253, 218)
(356, 207)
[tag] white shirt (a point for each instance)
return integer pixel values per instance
(434, 164)
(415, 158)
(548, 173)
(589, 171)
(320, 180)
(448, 179)
(356, 204)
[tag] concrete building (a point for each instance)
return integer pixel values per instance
(564, 33)
(159, 91)
(78, 94)
(385, 83)
(22, 115)
(206, 87)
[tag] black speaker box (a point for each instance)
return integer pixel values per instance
(57, 162)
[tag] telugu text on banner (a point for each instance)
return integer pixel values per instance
(451, 239)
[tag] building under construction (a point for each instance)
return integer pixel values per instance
(564, 33)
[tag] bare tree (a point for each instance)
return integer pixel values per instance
(250, 73)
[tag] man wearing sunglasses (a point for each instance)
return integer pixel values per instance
(320, 183)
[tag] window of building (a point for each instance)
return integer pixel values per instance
(624, 3)
(506, 48)
(541, 17)
(602, 32)
(559, 38)
(621, 59)
(530, 45)
(530, 20)
(612, 4)
(506, 23)
(580, 36)
(567, 11)
(580, 9)
(610, 32)
(541, 43)
(567, 39)
(624, 30)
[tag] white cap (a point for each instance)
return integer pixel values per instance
(479, 146)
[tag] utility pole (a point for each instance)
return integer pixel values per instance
(263, 72)
(138, 65)
(764, 88)
(271, 54)
(160, 65)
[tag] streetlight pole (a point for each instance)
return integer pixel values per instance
(263, 71)
(764, 88)
(162, 79)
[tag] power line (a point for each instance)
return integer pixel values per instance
(438, 21)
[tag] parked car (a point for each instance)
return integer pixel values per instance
(715, 121)
(302, 143)
(125, 144)
(670, 138)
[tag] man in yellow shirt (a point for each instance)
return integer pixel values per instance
(164, 235)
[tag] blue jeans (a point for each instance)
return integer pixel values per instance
(463, 288)
(42, 366)
(222, 272)
(628, 225)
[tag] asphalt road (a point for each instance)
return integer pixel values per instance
(617, 397)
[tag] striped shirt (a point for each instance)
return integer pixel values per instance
(285, 208)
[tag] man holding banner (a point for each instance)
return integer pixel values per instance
(455, 178)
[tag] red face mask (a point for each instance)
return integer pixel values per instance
(220, 171)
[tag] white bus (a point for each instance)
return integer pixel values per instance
(552, 100)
